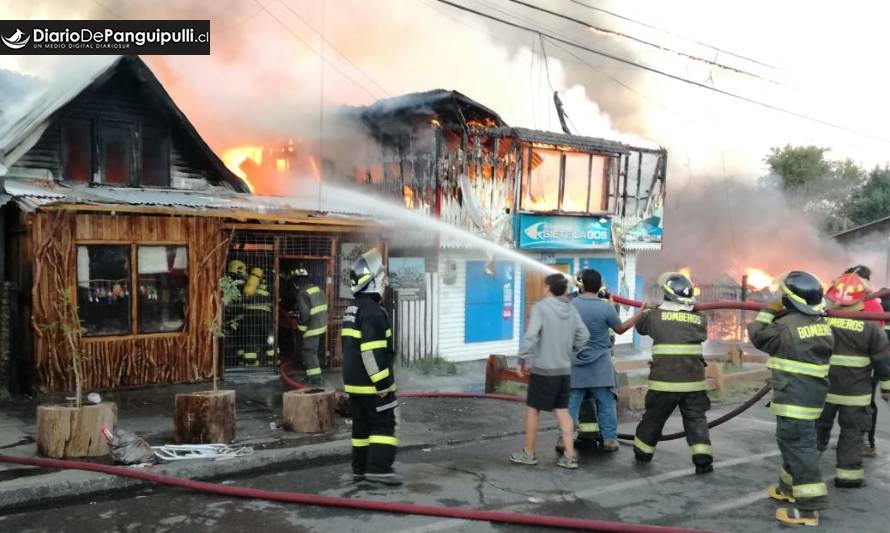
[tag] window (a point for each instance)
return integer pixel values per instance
(110, 151)
(162, 284)
(103, 289)
(106, 282)
(155, 157)
(77, 135)
(564, 181)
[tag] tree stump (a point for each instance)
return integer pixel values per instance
(67, 431)
(206, 417)
(309, 410)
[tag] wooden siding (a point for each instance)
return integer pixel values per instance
(129, 360)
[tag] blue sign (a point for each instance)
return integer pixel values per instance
(546, 232)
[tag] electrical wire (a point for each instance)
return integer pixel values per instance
(669, 75)
(672, 34)
(335, 49)
(314, 51)
(663, 48)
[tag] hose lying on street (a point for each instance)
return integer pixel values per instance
(349, 503)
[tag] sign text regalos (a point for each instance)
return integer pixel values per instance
(547, 232)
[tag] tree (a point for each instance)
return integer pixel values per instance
(872, 200)
(819, 186)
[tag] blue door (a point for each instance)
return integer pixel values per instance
(489, 302)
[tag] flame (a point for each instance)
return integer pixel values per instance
(233, 157)
(408, 195)
(686, 272)
(758, 279)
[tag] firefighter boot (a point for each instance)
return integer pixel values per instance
(796, 517)
(390, 478)
(776, 493)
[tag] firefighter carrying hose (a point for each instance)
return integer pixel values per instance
(311, 315)
(677, 374)
(368, 375)
(860, 349)
(799, 342)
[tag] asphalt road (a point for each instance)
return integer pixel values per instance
(478, 475)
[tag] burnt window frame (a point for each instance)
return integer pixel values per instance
(137, 152)
(133, 284)
(525, 180)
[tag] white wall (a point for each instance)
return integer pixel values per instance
(451, 303)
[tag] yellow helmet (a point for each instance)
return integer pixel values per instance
(238, 267)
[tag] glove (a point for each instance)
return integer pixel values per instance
(775, 306)
(385, 401)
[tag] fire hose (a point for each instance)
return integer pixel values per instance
(349, 503)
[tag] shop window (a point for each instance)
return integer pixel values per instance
(577, 182)
(77, 134)
(103, 289)
(598, 183)
(155, 157)
(162, 285)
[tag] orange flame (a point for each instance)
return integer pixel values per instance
(234, 157)
(686, 272)
(758, 279)
(314, 167)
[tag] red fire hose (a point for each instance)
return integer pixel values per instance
(350, 503)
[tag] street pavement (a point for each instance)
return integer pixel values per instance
(474, 473)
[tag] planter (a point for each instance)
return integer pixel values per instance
(309, 410)
(206, 417)
(68, 431)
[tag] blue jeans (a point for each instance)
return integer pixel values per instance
(606, 415)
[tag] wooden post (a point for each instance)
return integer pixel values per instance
(715, 372)
(67, 431)
(308, 410)
(204, 417)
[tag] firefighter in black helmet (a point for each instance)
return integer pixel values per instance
(311, 313)
(799, 342)
(677, 375)
(368, 375)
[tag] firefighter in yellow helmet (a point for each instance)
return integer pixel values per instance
(311, 313)
(799, 343)
(254, 329)
(368, 373)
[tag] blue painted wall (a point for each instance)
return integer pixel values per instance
(489, 301)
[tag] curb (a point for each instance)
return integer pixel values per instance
(78, 484)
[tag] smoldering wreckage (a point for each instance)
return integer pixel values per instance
(124, 232)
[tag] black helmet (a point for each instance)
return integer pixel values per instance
(677, 288)
(802, 291)
(367, 272)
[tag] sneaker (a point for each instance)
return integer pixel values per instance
(869, 451)
(524, 458)
(390, 478)
(570, 462)
(611, 446)
(704, 469)
(776, 493)
(796, 517)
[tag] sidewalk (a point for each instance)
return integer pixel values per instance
(149, 413)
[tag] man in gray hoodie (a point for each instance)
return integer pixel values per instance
(555, 332)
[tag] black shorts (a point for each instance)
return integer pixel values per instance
(548, 392)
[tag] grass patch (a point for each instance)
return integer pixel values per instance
(512, 388)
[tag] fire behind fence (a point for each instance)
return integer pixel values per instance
(724, 324)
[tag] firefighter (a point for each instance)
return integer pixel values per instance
(255, 323)
(860, 349)
(311, 314)
(677, 374)
(368, 373)
(799, 342)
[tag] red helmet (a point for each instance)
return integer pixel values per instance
(848, 289)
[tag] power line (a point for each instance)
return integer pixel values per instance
(606, 31)
(314, 51)
(334, 48)
(672, 34)
(669, 75)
